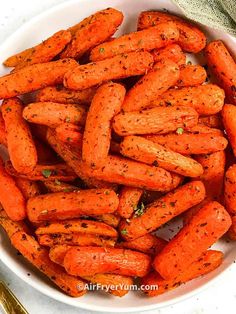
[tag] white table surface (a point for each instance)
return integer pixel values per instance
(218, 299)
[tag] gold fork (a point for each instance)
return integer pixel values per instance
(10, 304)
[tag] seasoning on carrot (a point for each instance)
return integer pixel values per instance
(172, 52)
(28, 188)
(191, 75)
(59, 186)
(69, 133)
(229, 121)
(11, 226)
(128, 201)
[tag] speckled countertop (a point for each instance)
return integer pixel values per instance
(218, 299)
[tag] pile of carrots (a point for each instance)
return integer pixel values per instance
(111, 139)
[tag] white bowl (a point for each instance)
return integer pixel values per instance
(33, 32)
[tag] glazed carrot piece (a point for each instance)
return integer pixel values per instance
(89, 261)
(188, 215)
(223, 66)
(44, 172)
(158, 80)
(84, 226)
(21, 147)
(172, 52)
(162, 210)
(109, 219)
(38, 256)
(146, 151)
(191, 38)
(191, 75)
(52, 114)
(229, 121)
(73, 239)
(206, 263)
(148, 39)
(204, 229)
(67, 205)
(105, 105)
(205, 99)
(91, 74)
(3, 134)
(191, 143)
(59, 186)
(214, 171)
(70, 134)
(230, 189)
(34, 77)
(156, 120)
(11, 197)
(128, 201)
(28, 188)
(11, 226)
(232, 229)
(65, 96)
(47, 50)
(213, 121)
(148, 244)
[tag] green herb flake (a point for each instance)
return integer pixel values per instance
(180, 131)
(46, 173)
(139, 211)
(68, 139)
(57, 182)
(67, 119)
(8, 109)
(101, 50)
(107, 192)
(124, 231)
(189, 62)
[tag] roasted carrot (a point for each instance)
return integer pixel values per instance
(38, 256)
(11, 197)
(57, 253)
(206, 99)
(12, 61)
(146, 151)
(89, 261)
(156, 120)
(204, 229)
(105, 105)
(3, 134)
(84, 226)
(187, 143)
(91, 74)
(232, 229)
(214, 171)
(213, 121)
(34, 77)
(44, 172)
(164, 209)
(100, 28)
(172, 52)
(28, 188)
(206, 263)
(203, 129)
(62, 95)
(223, 66)
(229, 121)
(59, 186)
(187, 216)
(230, 189)
(47, 50)
(158, 80)
(191, 38)
(53, 114)
(11, 226)
(69, 133)
(109, 219)
(21, 147)
(191, 75)
(147, 39)
(128, 201)
(67, 205)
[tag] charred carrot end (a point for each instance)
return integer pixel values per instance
(224, 67)
(131, 64)
(204, 229)
(161, 211)
(191, 75)
(206, 263)
(105, 105)
(148, 39)
(28, 188)
(89, 261)
(38, 256)
(172, 52)
(128, 201)
(229, 120)
(3, 134)
(230, 189)
(143, 150)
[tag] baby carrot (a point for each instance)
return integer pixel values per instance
(204, 229)
(128, 201)
(172, 52)
(187, 216)
(3, 134)
(191, 75)
(59, 186)
(229, 121)
(121, 66)
(109, 219)
(70, 134)
(230, 189)
(28, 188)
(11, 226)
(97, 134)
(164, 209)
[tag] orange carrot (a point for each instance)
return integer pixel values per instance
(223, 66)
(11, 197)
(191, 75)
(3, 134)
(191, 38)
(156, 120)
(89, 261)
(230, 189)
(59, 186)
(69, 133)
(158, 80)
(128, 201)
(11, 226)
(67, 205)
(229, 121)
(12, 61)
(34, 77)
(232, 229)
(188, 215)
(206, 99)
(97, 134)
(206, 263)
(172, 52)
(109, 219)
(91, 74)
(21, 147)
(164, 209)
(204, 229)
(203, 129)
(58, 252)
(148, 39)
(146, 151)
(28, 188)
(38, 256)
(213, 121)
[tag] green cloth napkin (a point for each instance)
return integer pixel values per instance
(220, 14)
